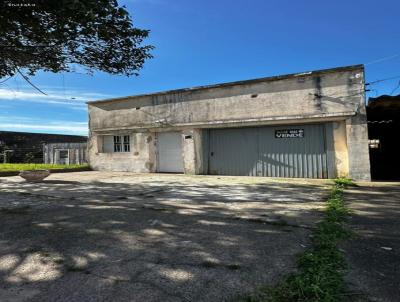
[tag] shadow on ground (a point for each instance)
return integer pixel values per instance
(374, 254)
(123, 237)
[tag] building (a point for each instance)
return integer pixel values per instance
(25, 147)
(310, 124)
(383, 128)
(65, 153)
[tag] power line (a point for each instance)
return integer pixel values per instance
(29, 82)
(383, 59)
(382, 80)
(5, 80)
(395, 88)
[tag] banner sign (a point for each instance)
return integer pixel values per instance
(289, 133)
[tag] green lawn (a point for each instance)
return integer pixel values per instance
(19, 167)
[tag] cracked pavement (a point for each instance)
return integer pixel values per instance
(117, 236)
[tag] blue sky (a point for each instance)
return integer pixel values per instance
(206, 42)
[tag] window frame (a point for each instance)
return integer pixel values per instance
(126, 143)
(57, 156)
(116, 143)
(121, 143)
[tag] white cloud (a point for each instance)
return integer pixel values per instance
(56, 96)
(74, 99)
(39, 125)
(46, 128)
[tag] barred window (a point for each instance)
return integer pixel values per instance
(127, 144)
(117, 143)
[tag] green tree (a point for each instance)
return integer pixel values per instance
(55, 35)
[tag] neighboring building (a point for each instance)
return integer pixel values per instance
(28, 147)
(310, 124)
(383, 128)
(65, 153)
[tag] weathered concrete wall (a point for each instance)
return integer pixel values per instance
(189, 153)
(358, 152)
(357, 139)
(192, 151)
(299, 96)
(142, 157)
(340, 147)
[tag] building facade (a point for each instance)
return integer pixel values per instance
(309, 125)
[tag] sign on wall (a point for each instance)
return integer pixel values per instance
(289, 133)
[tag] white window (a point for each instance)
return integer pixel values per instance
(116, 143)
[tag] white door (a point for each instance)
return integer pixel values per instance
(170, 152)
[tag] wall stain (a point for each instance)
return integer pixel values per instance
(318, 93)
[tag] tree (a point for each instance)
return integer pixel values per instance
(55, 35)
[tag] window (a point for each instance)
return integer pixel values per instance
(63, 154)
(61, 157)
(116, 143)
(127, 144)
(374, 143)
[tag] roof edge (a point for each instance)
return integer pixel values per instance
(234, 83)
(241, 122)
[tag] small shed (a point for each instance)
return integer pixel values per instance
(65, 153)
(26, 147)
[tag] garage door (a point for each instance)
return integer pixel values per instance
(287, 151)
(169, 145)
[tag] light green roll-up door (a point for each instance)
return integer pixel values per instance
(276, 151)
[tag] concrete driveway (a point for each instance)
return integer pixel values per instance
(94, 236)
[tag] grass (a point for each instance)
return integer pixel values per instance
(344, 182)
(19, 167)
(321, 269)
